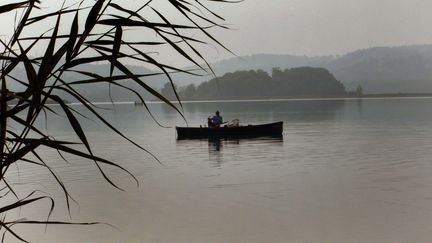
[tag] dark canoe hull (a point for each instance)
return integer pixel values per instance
(270, 129)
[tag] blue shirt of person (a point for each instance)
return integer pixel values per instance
(216, 120)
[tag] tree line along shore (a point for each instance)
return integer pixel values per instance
(303, 82)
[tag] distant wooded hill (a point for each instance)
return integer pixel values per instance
(405, 69)
(295, 82)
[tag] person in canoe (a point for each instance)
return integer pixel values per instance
(215, 121)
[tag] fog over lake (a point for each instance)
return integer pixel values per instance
(344, 171)
(302, 27)
(91, 93)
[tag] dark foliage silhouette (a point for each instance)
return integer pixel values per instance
(77, 34)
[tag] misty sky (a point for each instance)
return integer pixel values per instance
(317, 27)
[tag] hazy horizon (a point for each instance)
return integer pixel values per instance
(308, 27)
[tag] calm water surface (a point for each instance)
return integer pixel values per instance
(344, 171)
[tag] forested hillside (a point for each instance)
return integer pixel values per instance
(295, 82)
(404, 69)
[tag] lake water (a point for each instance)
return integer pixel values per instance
(344, 171)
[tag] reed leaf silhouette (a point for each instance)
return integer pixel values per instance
(95, 33)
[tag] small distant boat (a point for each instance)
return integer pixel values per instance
(261, 130)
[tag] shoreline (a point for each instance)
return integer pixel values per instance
(364, 97)
(389, 96)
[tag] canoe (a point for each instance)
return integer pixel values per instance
(269, 129)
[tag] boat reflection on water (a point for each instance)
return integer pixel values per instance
(225, 150)
(215, 144)
(232, 147)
